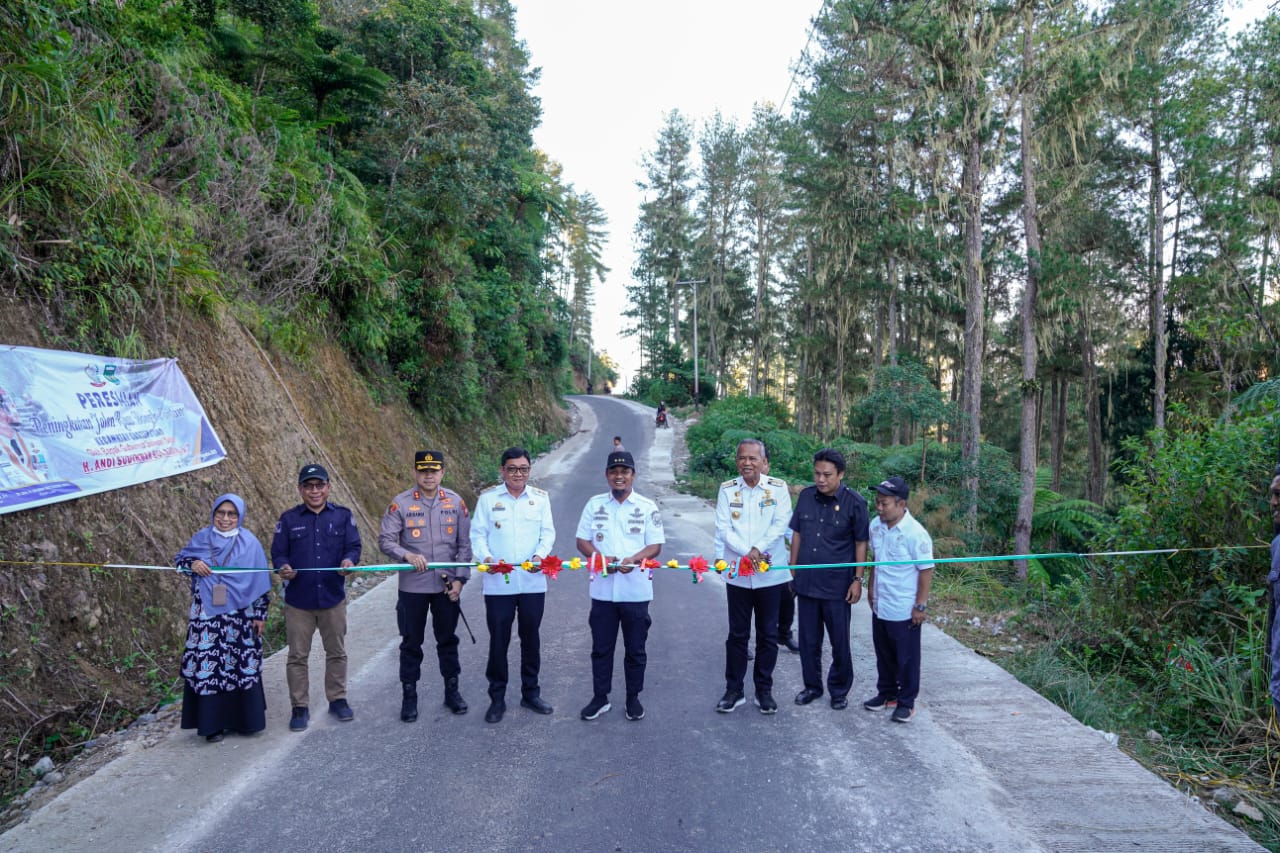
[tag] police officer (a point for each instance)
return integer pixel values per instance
(829, 525)
(513, 523)
(625, 528)
(752, 515)
(315, 534)
(428, 524)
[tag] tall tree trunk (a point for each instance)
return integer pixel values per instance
(1030, 386)
(1095, 483)
(1058, 429)
(971, 192)
(1158, 325)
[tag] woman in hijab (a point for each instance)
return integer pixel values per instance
(222, 663)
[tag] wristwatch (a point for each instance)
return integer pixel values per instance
(921, 607)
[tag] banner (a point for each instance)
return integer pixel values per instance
(73, 424)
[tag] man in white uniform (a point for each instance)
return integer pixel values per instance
(752, 515)
(512, 523)
(626, 529)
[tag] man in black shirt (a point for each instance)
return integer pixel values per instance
(829, 525)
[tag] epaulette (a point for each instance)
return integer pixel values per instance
(537, 491)
(774, 481)
(727, 483)
(494, 488)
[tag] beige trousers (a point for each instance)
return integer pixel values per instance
(300, 628)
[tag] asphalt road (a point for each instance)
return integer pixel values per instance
(986, 765)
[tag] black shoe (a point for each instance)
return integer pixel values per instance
(535, 704)
(497, 708)
(453, 698)
(597, 706)
(880, 703)
(839, 704)
(902, 714)
(635, 711)
(764, 701)
(340, 709)
(216, 737)
(301, 716)
(730, 701)
(409, 703)
(789, 642)
(804, 697)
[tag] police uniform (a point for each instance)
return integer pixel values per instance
(513, 529)
(439, 529)
(753, 517)
(620, 600)
(896, 640)
(830, 528)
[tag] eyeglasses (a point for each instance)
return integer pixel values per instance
(511, 469)
(226, 513)
(315, 487)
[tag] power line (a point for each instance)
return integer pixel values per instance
(804, 54)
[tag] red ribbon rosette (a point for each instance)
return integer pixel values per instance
(746, 567)
(699, 566)
(597, 565)
(503, 568)
(551, 566)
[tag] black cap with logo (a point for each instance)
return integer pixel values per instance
(621, 457)
(313, 472)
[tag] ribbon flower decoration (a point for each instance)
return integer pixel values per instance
(503, 568)
(698, 567)
(597, 565)
(551, 566)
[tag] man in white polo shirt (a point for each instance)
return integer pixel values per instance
(899, 597)
(512, 523)
(626, 529)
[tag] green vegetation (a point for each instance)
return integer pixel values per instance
(367, 174)
(1166, 643)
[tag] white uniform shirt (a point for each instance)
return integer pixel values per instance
(512, 529)
(749, 518)
(894, 587)
(620, 530)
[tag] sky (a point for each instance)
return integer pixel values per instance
(612, 71)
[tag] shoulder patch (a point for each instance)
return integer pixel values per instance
(393, 508)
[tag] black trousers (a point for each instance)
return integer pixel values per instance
(833, 615)
(786, 609)
(525, 611)
(411, 618)
(897, 646)
(743, 602)
(605, 620)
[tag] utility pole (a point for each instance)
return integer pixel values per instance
(695, 282)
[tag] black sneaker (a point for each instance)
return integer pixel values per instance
(880, 703)
(340, 709)
(635, 711)
(764, 701)
(301, 716)
(597, 706)
(730, 702)
(903, 714)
